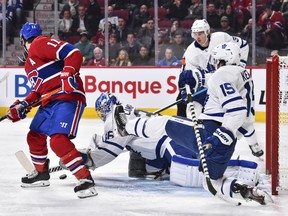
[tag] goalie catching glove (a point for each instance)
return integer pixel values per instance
(193, 78)
(68, 80)
(18, 110)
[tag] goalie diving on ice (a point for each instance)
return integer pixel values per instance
(226, 117)
(158, 158)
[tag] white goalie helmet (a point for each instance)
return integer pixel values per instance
(200, 26)
(228, 52)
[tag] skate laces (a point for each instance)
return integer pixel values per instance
(83, 181)
(32, 175)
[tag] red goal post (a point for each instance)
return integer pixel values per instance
(277, 122)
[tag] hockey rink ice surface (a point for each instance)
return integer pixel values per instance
(117, 193)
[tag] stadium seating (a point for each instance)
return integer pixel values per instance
(122, 13)
(186, 24)
(161, 13)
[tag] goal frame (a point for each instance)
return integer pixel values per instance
(272, 121)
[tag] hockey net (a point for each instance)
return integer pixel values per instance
(277, 122)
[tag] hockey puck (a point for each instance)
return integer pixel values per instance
(63, 176)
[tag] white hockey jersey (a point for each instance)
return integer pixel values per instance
(230, 99)
(195, 56)
(106, 147)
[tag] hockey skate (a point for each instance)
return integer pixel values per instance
(250, 193)
(37, 179)
(121, 120)
(86, 188)
(256, 150)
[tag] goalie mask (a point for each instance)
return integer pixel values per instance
(104, 104)
(226, 52)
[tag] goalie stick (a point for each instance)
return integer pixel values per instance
(44, 97)
(28, 166)
(177, 102)
(201, 151)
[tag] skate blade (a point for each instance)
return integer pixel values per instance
(36, 184)
(87, 193)
(268, 197)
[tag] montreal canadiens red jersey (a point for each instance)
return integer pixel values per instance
(44, 63)
(276, 20)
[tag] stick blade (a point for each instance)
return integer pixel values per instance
(24, 161)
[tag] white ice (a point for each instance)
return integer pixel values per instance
(118, 194)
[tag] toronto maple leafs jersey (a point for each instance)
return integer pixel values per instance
(46, 59)
(106, 147)
(196, 56)
(230, 99)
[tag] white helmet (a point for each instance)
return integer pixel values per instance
(228, 52)
(200, 26)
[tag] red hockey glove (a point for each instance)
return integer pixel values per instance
(18, 111)
(68, 82)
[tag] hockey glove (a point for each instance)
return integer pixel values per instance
(18, 111)
(219, 149)
(68, 82)
(194, 78)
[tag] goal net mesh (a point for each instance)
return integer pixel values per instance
(283, 124)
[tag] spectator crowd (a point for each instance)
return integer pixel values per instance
(131, 27)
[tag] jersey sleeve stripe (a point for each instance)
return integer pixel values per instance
(231, 100)
(249, 135)
(58, 51)
(215, 114)
(108, 151)
(50, 70)
(243, 44)
(159, 145)
(236, 109)
(242, 130)
(143, 131)
(66, 51)
(113, 144)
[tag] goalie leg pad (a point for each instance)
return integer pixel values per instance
(245, 171)
(136, 166)
(184, 172)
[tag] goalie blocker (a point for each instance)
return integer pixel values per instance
(185, 172)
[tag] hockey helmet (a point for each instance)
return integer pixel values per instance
(228, 52)
(104, 104)
(200, 26)
(30, 30)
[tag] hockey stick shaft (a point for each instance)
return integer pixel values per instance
(55, 169)
(28, 166)
(201, 151)
(177, 102)
(44, 97)
(199, 142)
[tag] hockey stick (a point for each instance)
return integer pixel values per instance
(178, 101)
(201, 150)
(44, 97)
(4, 77)
(28, 166)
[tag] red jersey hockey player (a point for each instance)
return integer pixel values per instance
(50, 64)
